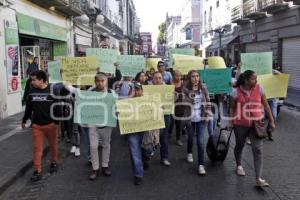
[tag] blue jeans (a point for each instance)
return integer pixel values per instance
(211, 125)
(134, 144)
(273, 106)
(199, 129)
(163, 138)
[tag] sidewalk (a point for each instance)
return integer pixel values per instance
(293, 98)
(15, 150)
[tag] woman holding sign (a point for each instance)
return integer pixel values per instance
(198, 114)
(246, 118)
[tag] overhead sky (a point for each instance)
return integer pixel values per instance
(153, 12)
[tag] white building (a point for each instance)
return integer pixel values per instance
(217, 28)
(173, 31)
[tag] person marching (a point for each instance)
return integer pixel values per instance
(246, 110)
(41, 107)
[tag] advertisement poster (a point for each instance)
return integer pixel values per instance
(12, 56)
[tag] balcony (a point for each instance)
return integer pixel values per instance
(68, 7)
(295, 2)
(237, 16)
(50, 3)
(73, 8)
(252, 11)
(273, 6)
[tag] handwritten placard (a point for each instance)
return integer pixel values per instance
(106, 58)
(54, 68)
(216, 62)
(95, 108)
(181, 51)
(261, 63)
(130, 65)
(139, 114)
(152, 63)
(79, 70)
(184, 63)
(274, 86)
(165, 94)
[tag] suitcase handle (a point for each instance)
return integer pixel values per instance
(225, 129)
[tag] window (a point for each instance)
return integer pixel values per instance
(218, 4)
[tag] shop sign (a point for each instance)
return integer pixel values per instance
(12, 56)
(33, 26)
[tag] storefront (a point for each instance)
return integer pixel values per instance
(40, 39)
(83, 39)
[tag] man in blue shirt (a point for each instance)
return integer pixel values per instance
(167, 76)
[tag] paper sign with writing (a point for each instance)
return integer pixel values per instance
(162, 93)
(54, 72)
(152, 63)
(184, 63)
(95, 108)
(106, 58)
(139, 114)
(181, 51)
(218, 81)
(79, 70)
(261, 63)
(274, 86)
(130, 65)
(216, 62)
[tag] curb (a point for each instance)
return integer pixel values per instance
(20, 172)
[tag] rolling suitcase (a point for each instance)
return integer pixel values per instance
(218, 145)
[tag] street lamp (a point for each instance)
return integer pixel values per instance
(220, 31)
(92, 16)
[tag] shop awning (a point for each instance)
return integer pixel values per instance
(225, 41)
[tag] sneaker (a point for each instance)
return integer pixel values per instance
(106, 171)
(165, 162)
(36, 176)
(53, 167)
(179, 143)
(73, 149)
(261, 183)
(240, 171)
(77, 152)
(201, 170)
(248, 141)
(189, 158)
(137, 180)
(93, 175)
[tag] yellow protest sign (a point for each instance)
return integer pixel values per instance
(165, 94)
(152, 63)
(139, 114)
(216, 62)
(185, 63)
(274, 86)
(79, 70)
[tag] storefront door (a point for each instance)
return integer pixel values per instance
(28, 53)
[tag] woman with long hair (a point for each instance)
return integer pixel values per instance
(198, 114)
(246, 110)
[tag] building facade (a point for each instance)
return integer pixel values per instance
(272, 26)
(146, 43)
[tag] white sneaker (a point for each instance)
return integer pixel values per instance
(248, 141)
(77, 152)
(189, 158)
(261, 183)
(240, 171)
(165, 162)
(73, 149)
(201, 170)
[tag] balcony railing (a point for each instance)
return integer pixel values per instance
(68, 7)
(252, 10)
(272, 6)
(237, 16)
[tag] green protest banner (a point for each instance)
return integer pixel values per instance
(180, 51)
(261, 63)
(95, 108)
(54, 72)
(130, 65)
(106, 58)
(218, 81)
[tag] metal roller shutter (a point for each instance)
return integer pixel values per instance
(291, 61)
(258, 47)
